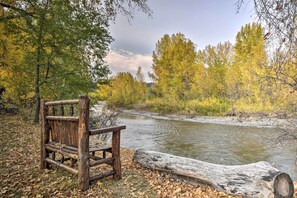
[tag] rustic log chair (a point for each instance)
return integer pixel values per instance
(69, 137)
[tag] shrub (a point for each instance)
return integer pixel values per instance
(253, 108)
(209, 106)
(162, 105)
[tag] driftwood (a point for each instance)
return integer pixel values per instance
(252, 180)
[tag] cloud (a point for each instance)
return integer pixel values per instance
(125, 61)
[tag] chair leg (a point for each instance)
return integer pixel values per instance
(54, 155)
(73, 161)
(83, 144)
(116, 155)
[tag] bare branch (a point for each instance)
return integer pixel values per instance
(19, 10)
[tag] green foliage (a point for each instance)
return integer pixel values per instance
(240, 78)
(162, 105)
(174, 61)
(243, 78)
(62, 46)
(208, 106)
(101, 93)
(61, 43)
(123, 90)
(243, 106)
(216, 60)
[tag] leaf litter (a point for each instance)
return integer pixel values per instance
(20, 175)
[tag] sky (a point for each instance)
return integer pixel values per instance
(204, 22)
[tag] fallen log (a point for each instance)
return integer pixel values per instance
(251, 180)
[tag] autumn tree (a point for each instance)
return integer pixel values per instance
(279, 17)
(65, 41)
(279, 20)
(250, 59)
(216, 60)
(15, 77)
(283, 82)
(123, 90)
(174, 66)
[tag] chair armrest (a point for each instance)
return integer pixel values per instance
(106, 130)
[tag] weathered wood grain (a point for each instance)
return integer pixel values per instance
(61, 102)
(45, 135)
(252, 180)
(83, 144)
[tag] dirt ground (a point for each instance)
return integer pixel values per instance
(20, 175)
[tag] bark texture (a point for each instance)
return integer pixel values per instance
(259, 179)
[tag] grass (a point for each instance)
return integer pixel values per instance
(207, 107)
(20, 175)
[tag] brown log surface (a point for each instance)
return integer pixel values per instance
(101, 176)
(102, 161)
(61, 102)
(116, 135)
(107, 130)
(45, 135)
(63, 118)
(83, 144)
(68, 168)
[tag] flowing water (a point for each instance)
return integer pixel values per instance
(220, 144)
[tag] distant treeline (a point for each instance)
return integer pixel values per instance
(244, 77)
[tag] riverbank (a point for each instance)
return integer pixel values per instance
(250, 121)
(20, 175)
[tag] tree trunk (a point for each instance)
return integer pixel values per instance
(37, 69)
(252, 180)
(37, 110)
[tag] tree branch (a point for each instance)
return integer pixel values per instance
(17, 9)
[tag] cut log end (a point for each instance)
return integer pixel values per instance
(283, 186)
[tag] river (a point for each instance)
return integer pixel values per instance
(215, 143)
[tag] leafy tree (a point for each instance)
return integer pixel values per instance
(283, 82)
(216, 60)
(15, 77)
(125, 90)
(65, 41)
(249, 61)
(174, 63)
(102, 93)
(279, 17)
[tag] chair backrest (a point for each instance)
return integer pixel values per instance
(63, 121)
(64, 132)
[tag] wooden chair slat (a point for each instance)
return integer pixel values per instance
(69, 136)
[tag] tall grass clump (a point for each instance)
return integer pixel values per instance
(208, 107)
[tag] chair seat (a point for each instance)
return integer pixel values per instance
(68, 150)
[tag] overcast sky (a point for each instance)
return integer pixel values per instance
(202, 21)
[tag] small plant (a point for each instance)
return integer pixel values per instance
(209, 106)
(101, 117)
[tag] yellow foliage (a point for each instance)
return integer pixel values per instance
(101, 93)
(123, 90)
(15, 77)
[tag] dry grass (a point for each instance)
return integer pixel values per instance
(20, 175)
